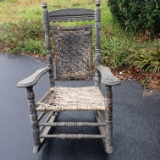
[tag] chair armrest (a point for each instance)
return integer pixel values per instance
(107, 78)
(32, 79)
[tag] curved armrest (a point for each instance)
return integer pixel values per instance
(107, 78)
(33, 79)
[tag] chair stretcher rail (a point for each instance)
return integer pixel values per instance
(72, 124)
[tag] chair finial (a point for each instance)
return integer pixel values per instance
(44, 5)
(98, 3)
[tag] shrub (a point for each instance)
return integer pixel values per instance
(146, 59)
(114, 49)
(137, 15)
(22, 36)
(123, 50)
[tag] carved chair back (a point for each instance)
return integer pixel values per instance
(72, 45)
(73, 53)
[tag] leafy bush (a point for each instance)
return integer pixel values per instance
(23, 36)
(123, 50)
(137, 15)
(147, 60)
(114, 49)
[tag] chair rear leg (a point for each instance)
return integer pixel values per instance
(33, 119)
(108, 120)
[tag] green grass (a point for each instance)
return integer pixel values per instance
(15, 10)
(21, 31)
(22, 28)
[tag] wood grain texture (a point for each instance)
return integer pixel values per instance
(71, 14)
(72, 124)
(74, 61)
(45, 130)
(33, 118)
(108, 120)
(107, 78)
(73, 136)
(33, 79)
(48, 43)
(73, 53)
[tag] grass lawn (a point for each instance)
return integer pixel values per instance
(15, 10)
(134, 56)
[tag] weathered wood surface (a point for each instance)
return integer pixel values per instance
(48, 44)
(33, 119)
(72, 124)
(73, 53)
(41, 116)
(46, 121)
(71, 14)
(73, 136)
(107, 78)
(97, 42)
(101, 128)
(50, 119)
(108, 120)
(33, 79)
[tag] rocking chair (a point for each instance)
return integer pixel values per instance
(73, 61)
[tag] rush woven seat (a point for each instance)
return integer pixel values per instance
(74, 59)
(67, 98)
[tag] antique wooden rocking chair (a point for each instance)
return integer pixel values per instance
(73, 56)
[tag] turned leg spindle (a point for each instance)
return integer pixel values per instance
(108, 119)
(33, 119)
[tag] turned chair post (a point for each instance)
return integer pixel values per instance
(108, 112)
(97, 43)
(48, 44)
(33, 118)
(108, 119)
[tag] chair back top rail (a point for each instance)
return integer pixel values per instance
(72, 14)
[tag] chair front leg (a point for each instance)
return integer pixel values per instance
(33, 118)
(108, 119)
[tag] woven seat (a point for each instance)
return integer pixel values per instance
(66, 98)
(74, 59)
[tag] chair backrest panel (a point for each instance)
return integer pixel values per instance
(72, 45)
(72, 14)
(73, 53)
